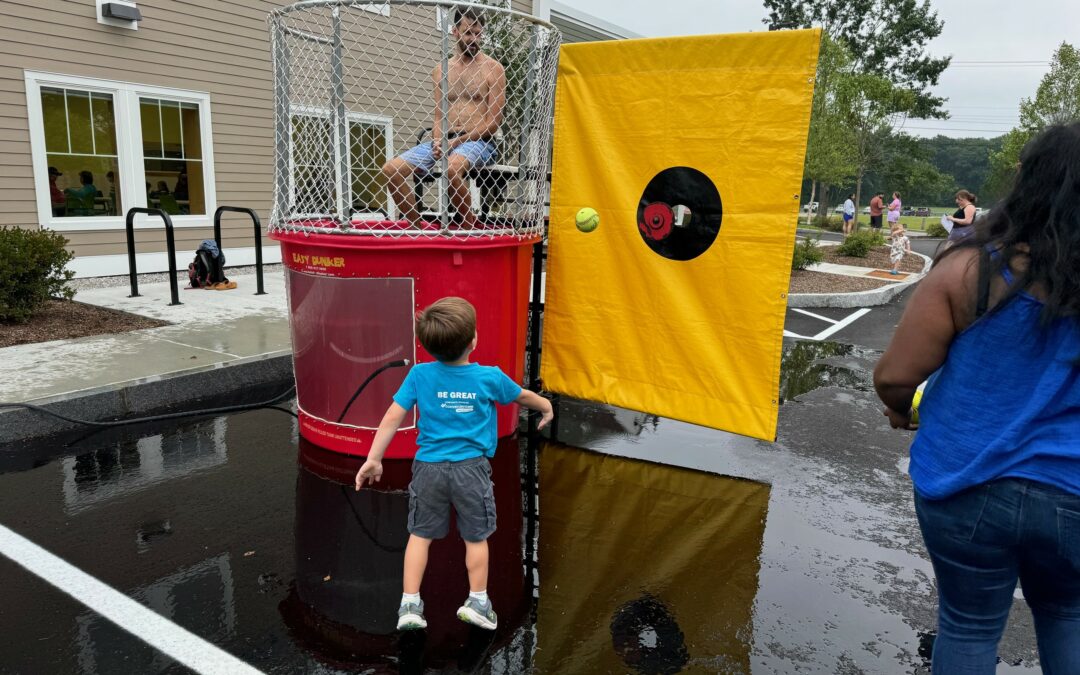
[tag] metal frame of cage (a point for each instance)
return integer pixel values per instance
(316, 43)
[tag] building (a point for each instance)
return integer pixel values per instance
(174, 110)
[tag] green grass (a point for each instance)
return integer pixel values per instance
(918, 223)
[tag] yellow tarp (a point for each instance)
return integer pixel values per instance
(694, 339)
(645, 564)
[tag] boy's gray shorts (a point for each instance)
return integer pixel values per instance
(466, 485)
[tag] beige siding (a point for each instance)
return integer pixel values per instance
(217, 46)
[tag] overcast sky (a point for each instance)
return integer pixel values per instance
(987, 39)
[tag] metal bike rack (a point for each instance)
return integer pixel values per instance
(258, 239)
(169, 241)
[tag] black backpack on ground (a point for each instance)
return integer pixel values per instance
(208, 268)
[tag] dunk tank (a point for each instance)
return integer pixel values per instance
(368, 240)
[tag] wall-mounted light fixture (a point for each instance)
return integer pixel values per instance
(122, 14)
(116, 10)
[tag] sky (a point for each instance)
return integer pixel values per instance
(1001, 49)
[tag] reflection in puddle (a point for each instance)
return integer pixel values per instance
(807, 366)
(645, 566)
(350, 547)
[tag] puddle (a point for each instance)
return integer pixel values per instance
(807, 366)
(662, 547)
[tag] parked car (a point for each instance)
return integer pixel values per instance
(866, 210)
(812, 207)
(839, 209)
(907, 211)
(922, 211)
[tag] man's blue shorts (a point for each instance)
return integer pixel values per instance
(479, 154)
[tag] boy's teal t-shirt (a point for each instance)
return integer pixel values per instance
(457, 408)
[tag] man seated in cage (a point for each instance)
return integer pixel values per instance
(476, 97)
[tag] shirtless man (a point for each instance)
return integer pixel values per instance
(476, 99)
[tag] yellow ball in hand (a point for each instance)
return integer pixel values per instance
(587, 219)
(915, 406)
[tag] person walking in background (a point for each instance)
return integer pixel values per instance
(877, 206)
(964, 219)
(894, 210)
(995, 326)
(849, 214)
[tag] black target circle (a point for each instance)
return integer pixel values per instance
(679, 213)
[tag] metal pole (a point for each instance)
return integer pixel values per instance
(171, 245)
(282, 147)
(133, 276)
(526, 123)
(341, 128)
(533, 441)
(444, 123)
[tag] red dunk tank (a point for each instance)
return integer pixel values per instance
(353, 300)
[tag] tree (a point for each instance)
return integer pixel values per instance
(1057, 101)
(828, 145)
(869, 105)
(885, 37)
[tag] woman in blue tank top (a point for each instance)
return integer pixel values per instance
(995, 327)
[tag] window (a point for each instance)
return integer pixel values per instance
(80, 145)
(172, 156)
(100, 148)
(314, 192)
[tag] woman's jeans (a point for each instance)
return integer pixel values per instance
(981, 541)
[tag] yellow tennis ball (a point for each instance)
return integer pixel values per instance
(915, 406)
(587, 219)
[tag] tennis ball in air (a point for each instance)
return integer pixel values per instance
(587, 219)
(915, 406)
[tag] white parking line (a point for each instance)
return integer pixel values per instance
(837, 324)
(145, 624)
(816, 316)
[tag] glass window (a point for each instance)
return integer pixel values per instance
(367, 142)
(172, 156)
(314, 192)
(80, 145)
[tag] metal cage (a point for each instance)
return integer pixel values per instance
(359, 82)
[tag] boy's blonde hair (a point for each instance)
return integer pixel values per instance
(446, 328)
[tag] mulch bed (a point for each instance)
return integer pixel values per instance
(65, 319)
(805, 281)
(876, 258)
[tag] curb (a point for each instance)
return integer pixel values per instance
(871, 298)
(213, 386)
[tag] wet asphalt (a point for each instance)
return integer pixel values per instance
(662, 547)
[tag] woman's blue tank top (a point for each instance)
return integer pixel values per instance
(1006, 403)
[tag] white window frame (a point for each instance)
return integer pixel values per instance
(386, 122)
(129, 150)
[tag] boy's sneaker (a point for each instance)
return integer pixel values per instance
(411, 616)
(478, 615)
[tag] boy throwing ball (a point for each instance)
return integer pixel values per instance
(457, 433)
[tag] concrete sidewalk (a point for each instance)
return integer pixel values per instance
(210, 330)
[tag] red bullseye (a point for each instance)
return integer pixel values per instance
(656, 221)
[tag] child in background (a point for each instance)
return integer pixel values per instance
(457, 433)
(899, 247)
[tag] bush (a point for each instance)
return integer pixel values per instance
(32, 269)
(806, 254)
(830, 223)
(858, 244)
(937, 230)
